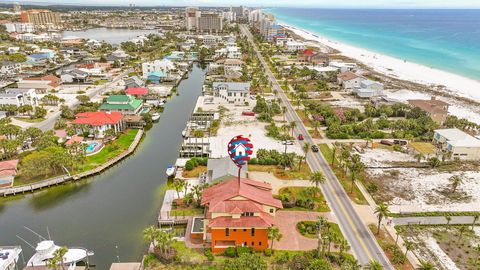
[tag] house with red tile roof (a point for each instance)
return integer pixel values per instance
(137, 91)
(97, 123)
(312, 57)
(8, 170)
(238, 213)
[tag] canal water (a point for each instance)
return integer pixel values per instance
(109, 35)
(108, 212)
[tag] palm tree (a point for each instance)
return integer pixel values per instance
(274, 235)
(150, 234)
(351, 264)
(164, 240)
(355, 166)
(409, 245)
(455, 181)
(448, 218)
(374, 265)
(317, 178)
(306, 149)
(284, 112)
(381, 211)
(462, 230)
(419, 157)
(178, 185)
(334, 152)
(475, 219)
(293, 125)
(343, 246)
(57, 258)
(426, 265)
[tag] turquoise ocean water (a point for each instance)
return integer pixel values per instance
(443, 39)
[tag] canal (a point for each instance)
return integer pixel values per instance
(107, 213)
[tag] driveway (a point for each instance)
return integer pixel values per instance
(287, 221)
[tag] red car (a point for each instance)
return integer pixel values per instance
(300, 137)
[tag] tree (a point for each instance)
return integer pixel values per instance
(293, 125)
(434, 162)
(274, 235)
(343, 246)
(448, 218)
(306, 149)
(334, 152)
(355, 166)
(57, 259)
(462, 230)
(455, 181)
(178, 185)
(83, 99)
(164, 241)
(33, 133)
(150, 234)
(475, 219)
(409, 245)
(419, 157)
(374, 265)
(319, 263)
(39, 112)
(382, 211)
(351, 264)
(317, 178)
(426, 265)
(245, 261)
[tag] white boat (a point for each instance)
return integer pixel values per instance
(170, 171)
(184, 132)
(45, 250)
(9, 257)
(155, 116)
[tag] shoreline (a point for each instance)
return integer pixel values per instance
(453, 84)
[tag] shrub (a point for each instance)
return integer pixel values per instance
(268, 252)
(189, 165)
(230, 252)
(208, 254)
(281, 257)
(243, 250)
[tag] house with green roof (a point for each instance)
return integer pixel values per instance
(125, 104)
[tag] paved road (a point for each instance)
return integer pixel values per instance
(50, 121)
(362, 241)
(433, 220)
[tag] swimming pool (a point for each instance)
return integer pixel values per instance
(91, 147)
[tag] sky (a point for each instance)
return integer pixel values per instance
(270, 3)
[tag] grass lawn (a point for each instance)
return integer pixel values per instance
(297, 194)
(388, 244)
(315, 134)
(195, 172)
(312, 232)
(305, 120)
(29, 120)
(111, 150)
(303, 173)
(425, 148)
(181, 212)
(356, 196)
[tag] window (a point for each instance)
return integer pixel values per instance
(234, 230)
(253, 232)
(227, 232)
(244, 244)
(271, 210)
(244, 230)
(247, 214)
(253, 243)
(259, 243)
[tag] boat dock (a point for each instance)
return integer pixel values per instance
(65, 178)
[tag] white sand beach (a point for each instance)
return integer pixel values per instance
(456, 85)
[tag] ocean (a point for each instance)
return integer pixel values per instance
(448, 40)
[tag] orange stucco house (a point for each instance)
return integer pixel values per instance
(238, 213)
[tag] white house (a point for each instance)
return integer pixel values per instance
(232, 92)
(369, 84)
(10, 68)
(75, 75)
(293, 45)
(460, 144)
(342, 66)
(19, 97)
(166, 66)
(348, 80)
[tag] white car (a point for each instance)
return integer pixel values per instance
(287, 142)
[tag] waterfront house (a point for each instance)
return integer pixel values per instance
(460, 144)
(156, 77)
(232, 92)
(97, 123)
(19, 97)
(238, 212)
(137, 92)
(348, 80)
(165, 66)
(436, 109)
(9, 68)
(8, 170)
(122, 103)
(133, 82)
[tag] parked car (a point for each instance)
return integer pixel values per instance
(287, 142)
(314, 148)
(300, 137)
(386, 142)
(400, 142)
(248, 113)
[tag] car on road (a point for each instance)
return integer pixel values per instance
(314, 148)
(300, 137)
(287, 142)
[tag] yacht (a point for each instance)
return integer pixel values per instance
(155, 116)
(9, 257)
(45, 250)
(170, 171)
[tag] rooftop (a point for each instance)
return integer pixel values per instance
(348, 75)
(458, 138)
(137, 91)
(97, 118)
(233, 86)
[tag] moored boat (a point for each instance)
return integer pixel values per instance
(170, 171)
